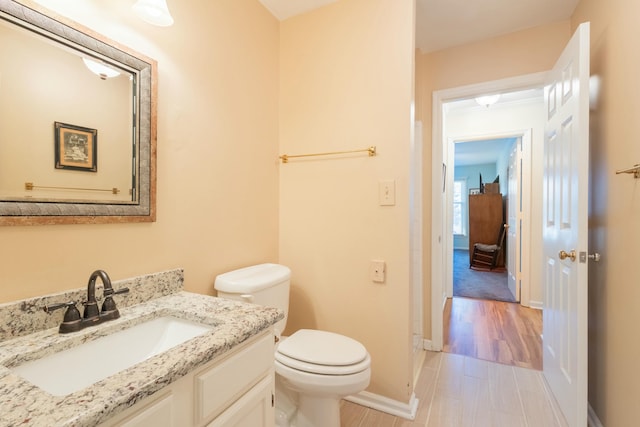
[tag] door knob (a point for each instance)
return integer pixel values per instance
(571, 255)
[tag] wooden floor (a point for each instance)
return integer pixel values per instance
(497, 331)
(460, 391)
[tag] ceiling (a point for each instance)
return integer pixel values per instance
(481, 152)
(441, 24)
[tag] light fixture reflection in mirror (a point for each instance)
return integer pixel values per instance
(103, 71)
(154, 12)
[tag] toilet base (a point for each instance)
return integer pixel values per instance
(316, 411)
(317, 397)
(296, 410)
(286, 404)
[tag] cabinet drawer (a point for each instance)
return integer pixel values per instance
(219, 386)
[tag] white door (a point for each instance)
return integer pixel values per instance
(514, 213)
(564, 225)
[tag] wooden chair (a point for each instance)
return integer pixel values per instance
(485, 254)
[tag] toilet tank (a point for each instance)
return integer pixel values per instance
(263, 284)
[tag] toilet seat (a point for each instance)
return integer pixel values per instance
(322, 352)
(323, 369)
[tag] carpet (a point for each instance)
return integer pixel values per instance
(473, 283)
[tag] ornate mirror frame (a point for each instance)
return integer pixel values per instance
(68, 32)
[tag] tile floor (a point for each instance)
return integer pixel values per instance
(460, 391)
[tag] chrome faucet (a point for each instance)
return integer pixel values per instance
(92, 316)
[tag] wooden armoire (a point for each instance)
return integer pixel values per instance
(485, 220)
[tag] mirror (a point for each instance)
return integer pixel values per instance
(77, 123)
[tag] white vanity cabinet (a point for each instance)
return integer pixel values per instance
(233, 390)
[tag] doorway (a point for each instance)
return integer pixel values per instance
(487, 214)
(482, 316)
(561, 246)
(442, 157)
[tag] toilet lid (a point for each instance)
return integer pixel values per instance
(309, 347)
(322, 369)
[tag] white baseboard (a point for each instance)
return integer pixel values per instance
(384, 404)
(536, 304)
(593, 420)
(428, 345)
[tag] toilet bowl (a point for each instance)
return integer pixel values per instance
(314, 369)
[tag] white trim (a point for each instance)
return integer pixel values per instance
(536, 304)
(384, 404)
(593, 420)
(438, 278)
(416, 231)
(437, 225)
(428, 345)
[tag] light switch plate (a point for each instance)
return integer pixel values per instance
(387, 192)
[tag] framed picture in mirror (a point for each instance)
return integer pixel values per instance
(76, 147)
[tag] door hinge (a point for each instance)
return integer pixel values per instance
(273, 400)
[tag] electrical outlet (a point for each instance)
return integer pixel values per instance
(377, 271)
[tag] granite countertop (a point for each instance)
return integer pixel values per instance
(22, 403)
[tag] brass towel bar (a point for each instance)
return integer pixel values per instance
(31, 186)
(371, 150)
(635, 170)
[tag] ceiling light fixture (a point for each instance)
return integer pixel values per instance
(101, 70)
(488, 100)
(153, 12)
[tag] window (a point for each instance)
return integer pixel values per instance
(460, 207)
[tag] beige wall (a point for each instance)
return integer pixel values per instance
(515, 54)
(614, 220)
(347, 83)
(217, 150)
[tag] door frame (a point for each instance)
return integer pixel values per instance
(441, 245)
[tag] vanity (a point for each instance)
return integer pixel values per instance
(222, 376)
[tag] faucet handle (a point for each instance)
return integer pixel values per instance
(71, 315)
(109, 305)
(109, 292)
(50, 308)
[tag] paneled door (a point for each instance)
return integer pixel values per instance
(565, 198)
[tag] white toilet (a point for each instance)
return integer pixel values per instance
(315, 369)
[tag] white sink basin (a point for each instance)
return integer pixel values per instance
(76, 368)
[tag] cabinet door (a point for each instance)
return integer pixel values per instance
(254, 409)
